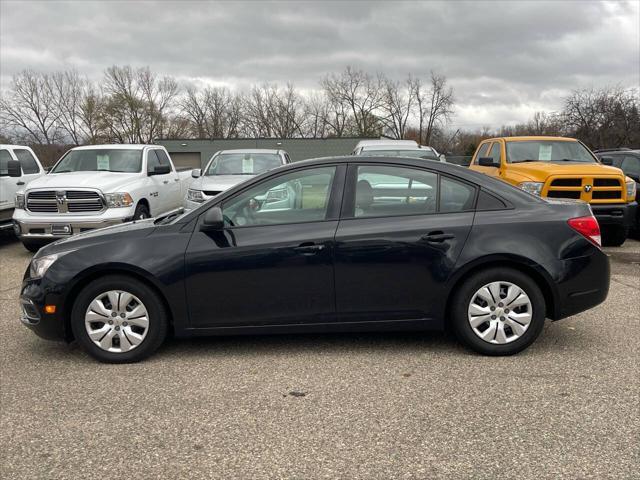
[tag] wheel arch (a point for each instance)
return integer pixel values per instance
(145, 202)
(537, 273)
(98, 271)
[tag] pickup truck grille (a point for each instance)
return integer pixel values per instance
(589, 189)
(64, 201)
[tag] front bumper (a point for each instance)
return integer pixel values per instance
(621, 214)
(32, 226)
(33, 298)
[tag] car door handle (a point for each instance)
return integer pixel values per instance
(308, 248)
(437, 237)
(165, 181)
(176, 179)
(19, 183)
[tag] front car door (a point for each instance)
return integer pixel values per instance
(401, 233)
(156, 184)
(272, 263)
(171, 193)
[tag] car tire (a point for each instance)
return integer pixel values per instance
(614, 236)
(135, 341)
(142, 212)
(33, 246)
(468, 306)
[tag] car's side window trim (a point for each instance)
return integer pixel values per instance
(334, 202)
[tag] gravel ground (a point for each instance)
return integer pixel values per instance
(328, 406)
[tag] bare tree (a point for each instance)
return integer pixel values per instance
(397, 106)
(606, 117)
(30, 107)
(360, 94)
(435, 105)
(138, 103)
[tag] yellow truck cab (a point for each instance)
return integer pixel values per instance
(559, 167)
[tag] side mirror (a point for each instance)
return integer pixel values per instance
(607, 160)
(442, 158)
(160, 170)
(488, 162)
(14, 169)
(213, 220)
(196, 172)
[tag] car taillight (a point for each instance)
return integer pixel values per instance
(588, 227)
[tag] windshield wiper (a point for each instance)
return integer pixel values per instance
(525, 160)
(167, 218)
(61, 171)
(569, 160)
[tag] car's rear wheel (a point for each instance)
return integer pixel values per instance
(499, 311)
(118, 319)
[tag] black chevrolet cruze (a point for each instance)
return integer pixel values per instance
(334, 244)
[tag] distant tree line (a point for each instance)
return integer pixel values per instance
(138, 106)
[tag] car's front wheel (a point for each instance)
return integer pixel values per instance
(499, 311)
(118, 319)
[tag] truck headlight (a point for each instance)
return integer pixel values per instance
(631, 189)
(19, 203)
(195, 195)
(534, 188)
(39, 265)
(118, 200)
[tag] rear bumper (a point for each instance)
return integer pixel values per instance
(585, 284)
(623, 214)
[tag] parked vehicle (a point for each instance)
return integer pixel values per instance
(558, 167)
(228, 168)
(628, 161)
(18, 166)
(396, 148)
(96, 186)
(357, 243)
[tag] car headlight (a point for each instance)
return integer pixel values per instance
(195, 195)
(534, 188)
(19, 203)
(631, 189)
(39, 265)
(118, 200)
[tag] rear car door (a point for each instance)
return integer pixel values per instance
(272, 264)
(399, 237)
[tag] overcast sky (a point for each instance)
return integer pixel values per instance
(505, 60)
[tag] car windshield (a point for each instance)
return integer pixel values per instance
(547, 151)
(243, 163)
(422, 153)
(116, 160)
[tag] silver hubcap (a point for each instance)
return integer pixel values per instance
(500, 312)
(116, 321)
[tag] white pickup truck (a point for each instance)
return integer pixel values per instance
(96, 186)
(18, 166)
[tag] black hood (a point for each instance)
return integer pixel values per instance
(136, 229)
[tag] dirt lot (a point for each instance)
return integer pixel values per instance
(328, 406)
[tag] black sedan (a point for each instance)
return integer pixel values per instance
(335, 244)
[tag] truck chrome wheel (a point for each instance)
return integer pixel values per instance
(500, 312)
(116, 321)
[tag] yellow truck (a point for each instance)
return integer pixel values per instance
(559, 167)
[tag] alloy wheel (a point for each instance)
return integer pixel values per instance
(117, 321)
(500, 312)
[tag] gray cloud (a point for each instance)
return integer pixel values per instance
(504, 59)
